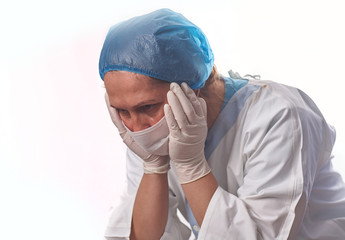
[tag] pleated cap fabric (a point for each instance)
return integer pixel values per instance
(163, 45)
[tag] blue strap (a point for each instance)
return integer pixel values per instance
(231, 87)
(226, 119)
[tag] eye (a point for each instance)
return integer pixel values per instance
(147, 107)
(123, 113)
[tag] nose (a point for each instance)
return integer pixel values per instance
(137, 123)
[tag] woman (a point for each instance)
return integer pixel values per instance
(239, 158)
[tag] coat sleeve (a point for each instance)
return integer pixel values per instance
(283, 147)
(120, 220)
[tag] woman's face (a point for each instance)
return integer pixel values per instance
(138, 99)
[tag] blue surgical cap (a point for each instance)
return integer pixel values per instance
(163, 45)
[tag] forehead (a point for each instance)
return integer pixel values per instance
(121, 79)
(127, 88)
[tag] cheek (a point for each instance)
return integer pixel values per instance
(155, 117)
(128, 125)
(126, 120)
(160, 113)
(124, 115)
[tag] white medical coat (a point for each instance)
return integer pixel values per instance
(270, 151)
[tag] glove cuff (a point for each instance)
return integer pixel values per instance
(190, 172)
(160, 165)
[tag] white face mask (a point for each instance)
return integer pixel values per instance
(154, 139)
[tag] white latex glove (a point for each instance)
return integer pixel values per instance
(152, 163)
(186, 118)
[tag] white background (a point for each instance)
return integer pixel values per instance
(61, 161)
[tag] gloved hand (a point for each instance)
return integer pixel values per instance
(186, 118)
(152, 163)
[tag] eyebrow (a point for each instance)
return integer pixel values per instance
(140, 104)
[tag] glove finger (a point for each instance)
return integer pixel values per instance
(171, 121)
(186, 104)
(115, 116)
(177, 110)
(203, 106)
(193, 99)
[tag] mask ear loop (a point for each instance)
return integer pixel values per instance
(197, 92)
